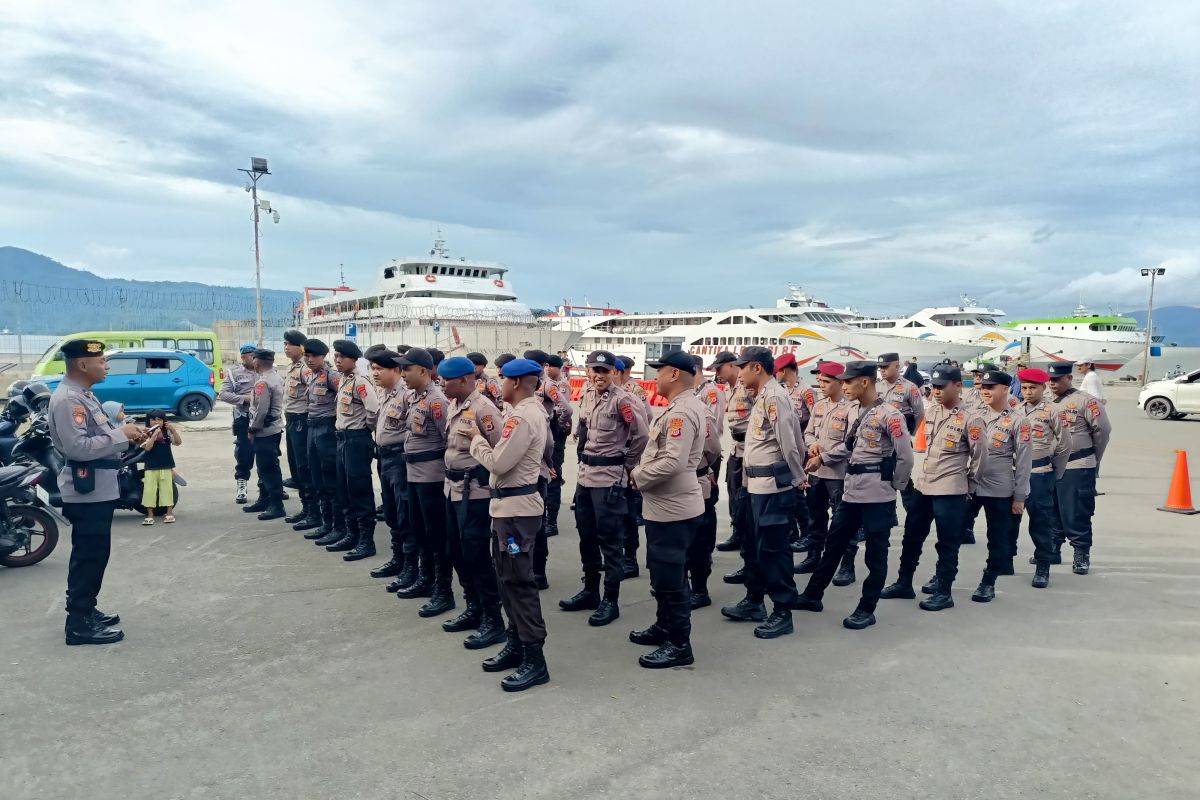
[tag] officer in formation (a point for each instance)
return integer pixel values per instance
(265, 431)
(633, 519)
(557, 406)
(321, 445)
(827, 429)
(560, 429)
(91, 445)
(237, 391)
(1051, 448)
(699, 553)
(357, 407)
(487, 385)
(787, 372)
(391, 429)
(295, 409)
(1090, 428)
(737, 418)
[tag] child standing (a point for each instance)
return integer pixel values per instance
(158, 480)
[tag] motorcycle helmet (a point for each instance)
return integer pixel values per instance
(17, 410)
(37, 396)
(15, 388)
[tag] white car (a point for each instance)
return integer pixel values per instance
(1171, 399)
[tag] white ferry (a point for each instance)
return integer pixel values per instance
(798, 324)
(457, 305)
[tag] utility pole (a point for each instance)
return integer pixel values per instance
(1153, 273)
(258, 168)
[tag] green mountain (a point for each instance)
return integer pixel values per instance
(40, 295)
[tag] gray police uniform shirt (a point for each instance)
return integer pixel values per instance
(713, 398)
(516, 458)
(737, 417)
(266, 408)
(1084, 417)
(954, 441)
(615, 428)
(391, 426)
(1050, 439)
(666, 474)
(904, 396)
(81, 431)
(828, 427)
(239, 382)
(428, 414)
(881, 432)
(298, 376)
(476, 413)
(773, 437)
(1002, 462)
(321, 391)
(357, 404)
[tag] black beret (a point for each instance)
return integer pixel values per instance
(294, 337)
(554, 361)
(375, 348)
(83, 348)
(347, 348)
(263, 354)
(316, 347)
(503, 359)
(384, 357)
(539, 356)
(437, 355)
(478, 359)
(403, 348)
(416, 357)
(699, 361)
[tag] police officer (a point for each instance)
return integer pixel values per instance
(265, 430)
(488, 386)
(357, 407)
(633, 520)
(390, 430)
(321, 391)
(1090, 427)
(560, 429)
(1051, 448)
(901, 393)
(557, 406)
(827, 429)
(1000, 476)
(517, 511)
(737, 417)
(295, 408)
(425, 455)
(879, 461)
(91, 444)
(237, 391)
(699, 554)
(616, 437)
(673, 506)
(787, 372)
(939, 494)
(773, 470)
(468, 523)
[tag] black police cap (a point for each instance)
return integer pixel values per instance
(628, 361)
(888, 358)
(984, 366)
(942, 375)
(540, 356)
(385, 358)
(417, 357)
(859, 369)
(724, 357)
(403, 348)
(83, 348)
(757, 355)
(437, 355)
(263, 354)
(347, 348)
(1061, 369)
(677, 359)
(601, 358)
(316, 347)
(478, 359)
(294, 337)
(994, 376)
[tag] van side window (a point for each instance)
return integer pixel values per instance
(159, 366)
(123, 366)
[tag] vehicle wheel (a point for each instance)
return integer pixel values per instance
(41, 532)
(194, 407)
(1159, 408)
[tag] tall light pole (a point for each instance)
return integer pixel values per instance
(258, 168)
(1153, 273)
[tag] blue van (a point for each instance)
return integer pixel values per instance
(149, 379)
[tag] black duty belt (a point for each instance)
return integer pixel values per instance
(759, 472)
(1084, 453)
(321, 422)
(863, 469)
(513, 491)
(602, 461)
(295, 414)
(99, 463)
(390, 450)
(478, 473)
(352, 433)
(425, 455)
(738, 437)
(1044, 461)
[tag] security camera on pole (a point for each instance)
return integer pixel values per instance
(258, 168)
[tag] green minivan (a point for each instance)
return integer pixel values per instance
(201, 344)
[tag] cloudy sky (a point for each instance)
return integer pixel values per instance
(649, 155)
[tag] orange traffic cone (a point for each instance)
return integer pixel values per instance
(921, 445)
(1179, 496)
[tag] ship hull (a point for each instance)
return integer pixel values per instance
(452, 338)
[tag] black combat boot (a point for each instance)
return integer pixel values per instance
(258, 506)
(510, 657)
(607, 611)
(805, 603)
(588, 599)
(422, 584)
(803, 544)
(491, 631)
(312, 521)
(986, 591)
(337, 529)
(810, 562)
(1082, 562)
(390, 568)
(845, 573)
(734, 542)
(85, 630)
(443, 596)
(667, 656)
(698, 600)
(931, 586)
(305, 510)
(747, 610)
(347, 542)
(1041, 577)
(365, 547)
(738, 576)
(468, 620)
(274, 510)
(858, 620)
(532, 671)
(902, 589)
(778, 624)
(541, 582)
(937, 601)
(290, 483)
(324, 522)
(106, 620)
(653, 636)
(407, 573)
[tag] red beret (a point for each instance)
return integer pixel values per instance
(830, 368)
(1033, 375)
(788, 360)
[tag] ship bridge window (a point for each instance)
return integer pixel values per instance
(914, 324)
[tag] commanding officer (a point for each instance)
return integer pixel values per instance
(1000, 476)
(390, 431)
(425, 454)
(826, 430)
(666, 477)
(737, 418)
(1051, 448)
(699, 555)
(517, 511)
(488, 386)
(560, 429)
(91, 444)
(1090, 427)
(468, 524)
(616, 437)
(357, 407)
(265, 431)
(237, 391)
(295, 409)
(774, 470)
(901, 393)
(940, 491)
(879, 460)
(322, 445)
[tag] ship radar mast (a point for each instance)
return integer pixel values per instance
(439, 246)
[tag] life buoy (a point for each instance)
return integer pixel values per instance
(431, 278)
(499, 283)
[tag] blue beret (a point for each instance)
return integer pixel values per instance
(247, 348)
(520, 367)
(456, 367)
(619, 365)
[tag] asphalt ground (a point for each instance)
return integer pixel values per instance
(259, 666)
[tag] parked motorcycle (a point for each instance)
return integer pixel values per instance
(28, 531)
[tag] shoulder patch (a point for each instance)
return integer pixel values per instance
(772, 410)
(488, 423)
(1094, 407)
(79, 415)
(509, 426)
(1024, 431)
(712, 397)
(552, 392)
(896, 426)
(362, 390)
(258, 388)
(626, 411)
(675, 427)
(436, 408)
(306, 372)
(975, 431)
